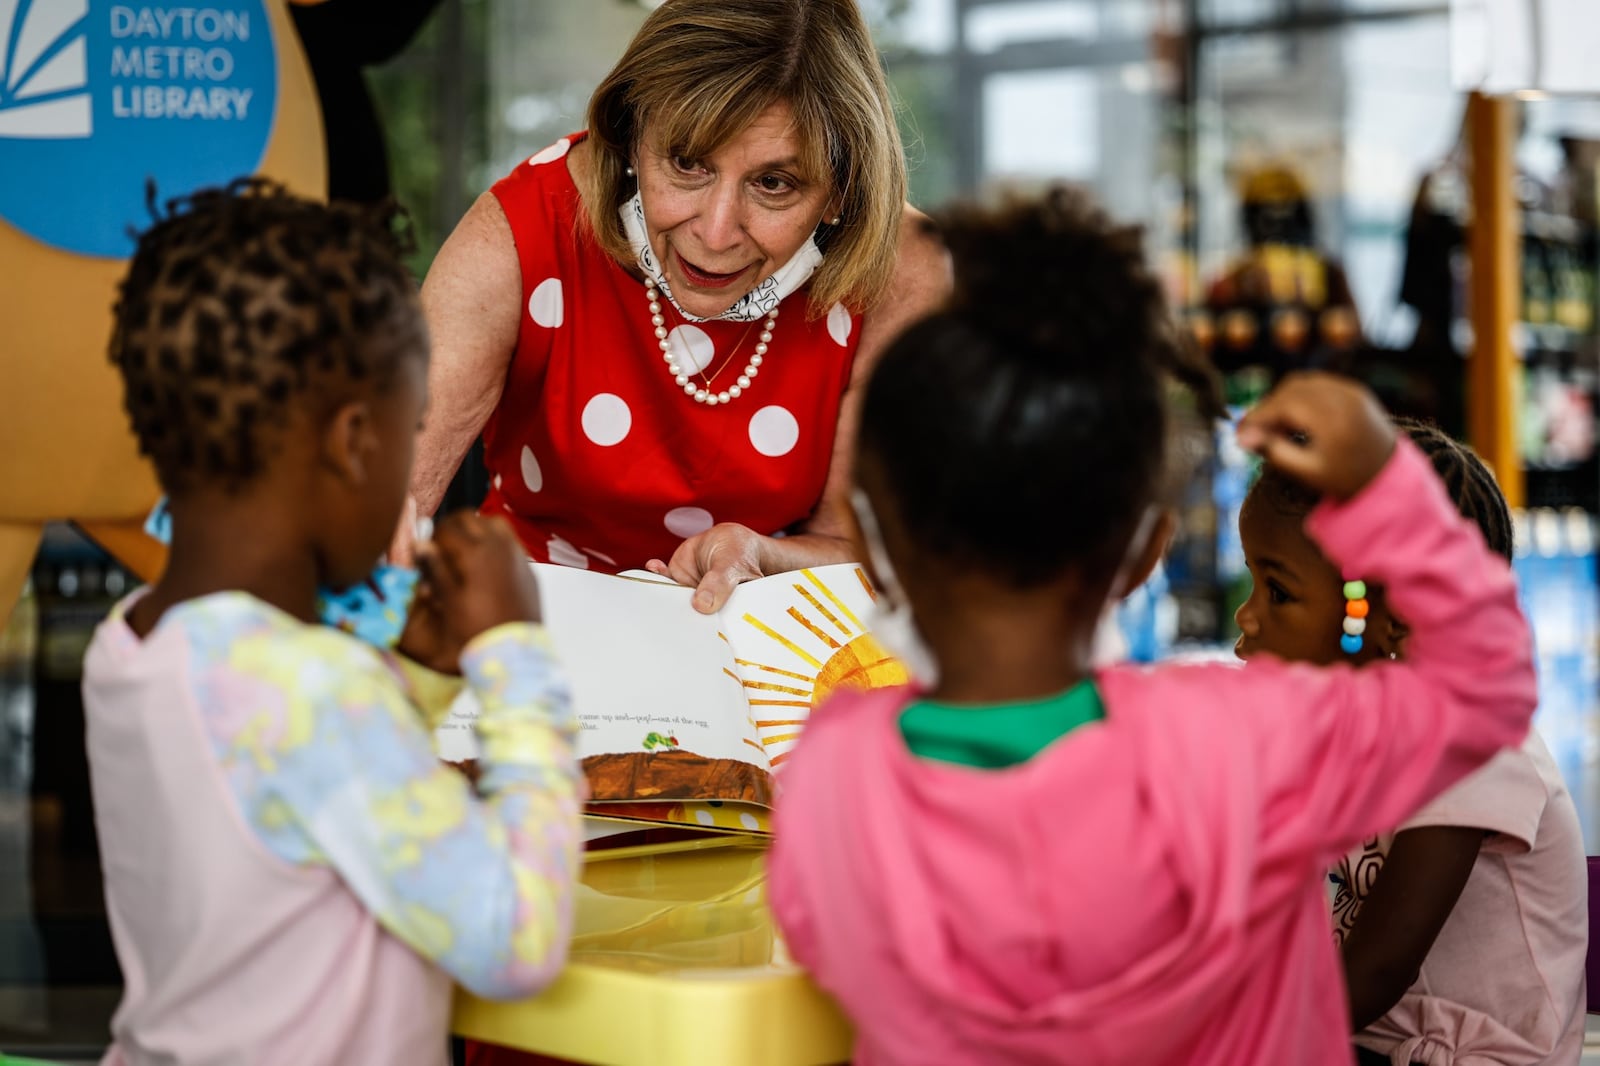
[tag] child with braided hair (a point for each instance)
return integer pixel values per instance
(1462, 930)
(291, 875)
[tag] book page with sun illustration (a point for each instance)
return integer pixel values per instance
(684, 717)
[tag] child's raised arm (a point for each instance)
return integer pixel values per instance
(1320, 757)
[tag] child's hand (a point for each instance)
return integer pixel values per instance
(426, 638)
(474, 577)
(1327, 432)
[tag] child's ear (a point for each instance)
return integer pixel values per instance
(1394, 637)
(348, 441)
(1149, 554)
(1390, 631)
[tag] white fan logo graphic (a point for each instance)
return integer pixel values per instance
(44, 70)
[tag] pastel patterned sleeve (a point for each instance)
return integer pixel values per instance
(333, 765)
(429, 691)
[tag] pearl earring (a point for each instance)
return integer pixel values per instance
(834, 221)
(628, 171)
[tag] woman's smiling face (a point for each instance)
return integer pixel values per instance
(721, 224)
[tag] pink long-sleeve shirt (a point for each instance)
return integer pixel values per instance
(1149, 889)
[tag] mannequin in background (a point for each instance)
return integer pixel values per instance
(1285, 305)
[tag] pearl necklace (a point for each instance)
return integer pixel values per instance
(681, 376)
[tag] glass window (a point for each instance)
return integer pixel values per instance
(994, 26)
(1042, 124)
(925, 26)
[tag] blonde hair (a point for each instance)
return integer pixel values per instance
(699, 72)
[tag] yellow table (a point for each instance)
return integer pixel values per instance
(675, 961)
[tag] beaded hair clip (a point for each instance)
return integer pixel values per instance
(1355, 617)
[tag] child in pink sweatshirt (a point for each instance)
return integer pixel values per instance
(1025, 861)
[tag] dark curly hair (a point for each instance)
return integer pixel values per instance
(1023, 428)
(1469, 483)
(244, 301)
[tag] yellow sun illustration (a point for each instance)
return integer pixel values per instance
(818, 648)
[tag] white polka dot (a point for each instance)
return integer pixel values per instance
(562, 553)
(497, 481)
(748, 820)
(704, 818)
(774, 431)
(692, 348)
(544, 305)
(532, 476)
(606, 419)
(552, 153)
(685, 522)
(839, 325)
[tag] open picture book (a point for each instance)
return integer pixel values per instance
(685, 717)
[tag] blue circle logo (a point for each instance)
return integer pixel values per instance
(96, 98)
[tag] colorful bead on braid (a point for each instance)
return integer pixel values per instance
(1355, 616)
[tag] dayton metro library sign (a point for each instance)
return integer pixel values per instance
(192, 67)
(97, 98)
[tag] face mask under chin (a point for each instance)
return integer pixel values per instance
(891, 621)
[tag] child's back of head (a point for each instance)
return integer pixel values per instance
(1014, 441)
(274, 358)
(1021, 430)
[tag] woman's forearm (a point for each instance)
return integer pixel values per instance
(782, 554)
(444, 440)
(472, 297)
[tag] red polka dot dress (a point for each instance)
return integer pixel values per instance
(595, 453)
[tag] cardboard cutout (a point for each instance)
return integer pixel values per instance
(96, 97)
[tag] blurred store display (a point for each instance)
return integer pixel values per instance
(1555, 567)
(1284, 304)
(58, 971)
